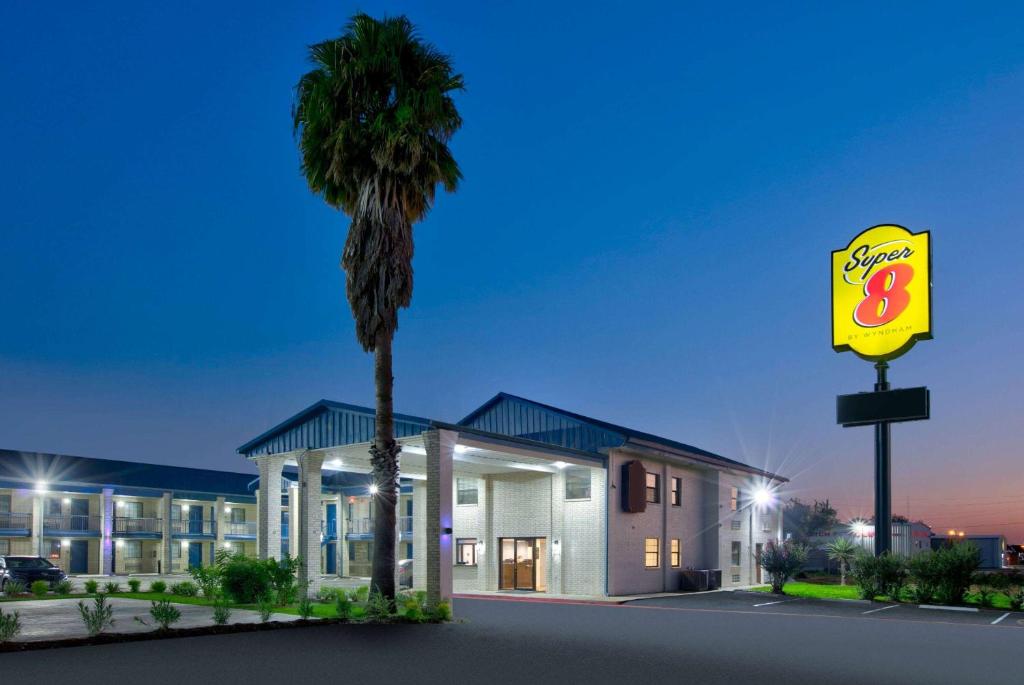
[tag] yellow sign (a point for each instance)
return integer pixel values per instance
(881, 293)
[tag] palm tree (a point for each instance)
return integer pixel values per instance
(373, 118)
(842, 550)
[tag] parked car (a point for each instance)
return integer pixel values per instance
(405, 573)
(28, 570)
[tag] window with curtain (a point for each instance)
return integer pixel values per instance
(653, 488)
(577, 482)
(676, 553)
(677, 491)
(465, 552)
(467, 493)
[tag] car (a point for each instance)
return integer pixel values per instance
(405, 573)
(27, 570)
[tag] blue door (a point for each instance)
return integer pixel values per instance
(332, 521)
(195, 522)
(332, 558)
(79, 556)
(195, 553)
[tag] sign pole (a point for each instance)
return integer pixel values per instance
(883, 472)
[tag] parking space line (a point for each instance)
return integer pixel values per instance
(938, 607)
(891, 606)
(1000, 618)
(781, 601)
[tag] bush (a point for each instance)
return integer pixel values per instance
(99, 617)
(378, 607)
(923, 576)
(10, 625)
(1014, 590)
(442, 612)
(362, 593)
(39, 588)
(986, 586)
(955, 566)
(134, 584)
(266, 608)
(164, 613)
(780, 562)
(14, 587)
(158, 586)
(207, 578)
(342, 606)
(92, 587)
(327, 594)
(244, 579)
(221, 611)
(412, 605)
(185, 588)
(305, 608)
(884, 575)
(112, 587)
(62, 587)
(282, 578)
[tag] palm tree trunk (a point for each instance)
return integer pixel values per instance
(384, 458)
(842, 572)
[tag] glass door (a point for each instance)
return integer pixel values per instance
(524, 564)
(508, 564)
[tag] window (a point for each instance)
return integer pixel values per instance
(175, 512)
(734, 499)
(577, 482)
(5, 504)
(466, 488)
(736, 524)
(132, 510)
(5, 547)
(676, 553)
(53, 507)
(53, 549)
(677, 491)
(465, 552)
(132, 549)
(652, 553)
(238, 515)
(736, 553)
(653, 488)
(176, 550)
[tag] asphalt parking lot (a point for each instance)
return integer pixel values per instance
(765, 603)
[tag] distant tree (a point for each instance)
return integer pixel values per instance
(844, 551)
(802, 521)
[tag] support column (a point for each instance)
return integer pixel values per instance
(219, 527)
(339, 535)
(343, 524)
(486, 545)
(38, 507)
(310, 515)
(440, 446)
(107, 532)
(555, 549)
(419, 534)
(294, 519)
(269, 506)
(166, 560)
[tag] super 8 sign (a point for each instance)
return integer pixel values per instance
(881, 292)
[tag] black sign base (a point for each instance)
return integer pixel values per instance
(890, 406)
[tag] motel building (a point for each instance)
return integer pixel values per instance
(517, 497)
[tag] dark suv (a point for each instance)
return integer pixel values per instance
(27, 570)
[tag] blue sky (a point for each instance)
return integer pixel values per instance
(651, 194)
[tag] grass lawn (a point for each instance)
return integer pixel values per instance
(819, 591)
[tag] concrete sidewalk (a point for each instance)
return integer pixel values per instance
(59, 619)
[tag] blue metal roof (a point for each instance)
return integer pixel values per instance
(328, 424)
(32, 467)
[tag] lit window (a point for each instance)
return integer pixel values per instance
(5, 504)
(577, 483)
(238, 515)
(734, 499)
(652, 553)
(676, 554)
(736, 553)
(131, 510)
(466, 490)
(465, 552)
(54, 549)
(5, 547)
(653, 488)
(132, 549)
(677, 491)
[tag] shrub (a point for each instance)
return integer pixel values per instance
(207, 578)
(185, 588)
(412, 605)
(378, 607)
(986, 586)
(844, 551)
(442, 612)
(362, 593)
(1014, 590)
(955, 566)
(780, 562)
(266, 608)
(14, 587)
(282, 578)
(112, 587)
(92, 587)
(924, 578)
(134, 584)
(158, 586)
(244, 579)
(164, 613)
(221, 611)
(99, 617)
(62, 587)
(884, 575)
(10, 625)
(343, 606)
(39, 588)
(327, 594)
(305, 608)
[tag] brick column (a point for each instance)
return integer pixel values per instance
(339, 534)
(294, 519)
(269, 506)
(166, 561)
(38, 508)
(419, 534)
(440, 446)
(310, 514)
(557, 547)
(107, 532)
(220, 526)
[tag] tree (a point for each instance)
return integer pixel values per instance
(373, 118)
(844, 551)
(782, 561)
(803, 521)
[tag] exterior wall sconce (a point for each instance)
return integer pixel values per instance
(446, 531)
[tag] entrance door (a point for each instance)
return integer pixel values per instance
(195, 522)
(757, 560)
(195, 555)
(332, 558)
(79, 556)
(519, 562)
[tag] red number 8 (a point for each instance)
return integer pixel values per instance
(887, 296)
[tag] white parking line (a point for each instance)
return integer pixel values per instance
(781, 601)
(891, 606)
(935, 607)
(1001, 618)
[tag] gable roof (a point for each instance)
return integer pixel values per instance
(515, 415)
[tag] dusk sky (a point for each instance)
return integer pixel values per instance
(651, 194)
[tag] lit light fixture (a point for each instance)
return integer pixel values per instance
(336, 463)
(960, 534)
(763, 496)
(951, 532)
(41, 486)
(184, 507)
(559, 464)
(120, 543)
(66, 500)
(859, 528)
(227, 545)
(120, 504)
(461, 449)
(374, 489)
(65, 543)
(227, 510)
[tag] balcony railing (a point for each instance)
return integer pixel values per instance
(365, 526)
(15, 520)
(127, 525)
(240, 528)
(72, 522)
(405, 526)
(193, 527)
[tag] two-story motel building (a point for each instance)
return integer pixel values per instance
(518, 496)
